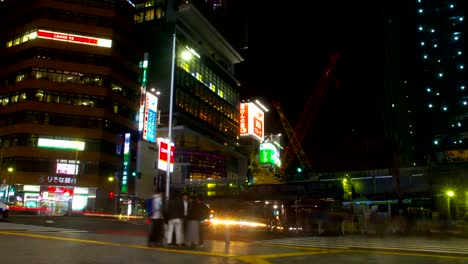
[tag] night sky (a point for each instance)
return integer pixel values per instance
(288, 49)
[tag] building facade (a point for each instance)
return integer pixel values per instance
(442, 76)
(69, 95)
(206, 98)
(425, 79)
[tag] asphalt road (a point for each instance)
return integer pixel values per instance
(39, 240)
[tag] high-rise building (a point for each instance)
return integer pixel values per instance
(426, 82)
(441, 77)
(426, 79)
(68, 102)
(205, 120)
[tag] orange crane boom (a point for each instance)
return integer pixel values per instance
(294, 147)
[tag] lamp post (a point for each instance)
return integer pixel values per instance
(449, 194)
(10, 172)
(169, 129)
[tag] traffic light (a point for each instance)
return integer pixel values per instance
(111, 195)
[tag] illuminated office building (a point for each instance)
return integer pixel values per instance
(206, 96)
(69, 94)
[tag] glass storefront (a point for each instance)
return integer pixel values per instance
(48, 199)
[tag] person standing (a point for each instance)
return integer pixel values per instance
(155, 209)
(202, 213)
(175, 216)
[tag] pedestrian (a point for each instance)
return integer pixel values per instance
(175, 220)
(191, 224)
(202, 216)
(155, 212)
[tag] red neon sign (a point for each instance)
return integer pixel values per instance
(73, 38)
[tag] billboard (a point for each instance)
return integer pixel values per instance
(67, 168)
(163, 150)
(60, 36)
(150, 117)
(251, 121)
(60, 144)
(268, 154)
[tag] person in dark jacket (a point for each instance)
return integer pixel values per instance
(175, 220)
(202, 214)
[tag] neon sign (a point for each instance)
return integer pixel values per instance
(59, 36)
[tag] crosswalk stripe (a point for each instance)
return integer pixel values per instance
(36, 228)
(452, 245)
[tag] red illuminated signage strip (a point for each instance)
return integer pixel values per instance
(69, 38)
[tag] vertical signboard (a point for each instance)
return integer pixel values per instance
(125, 163)
(150, 118)
(141, 114)
(251, 121)
(244, 119)
(163, 154)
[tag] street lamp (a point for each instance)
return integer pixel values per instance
(449, 194)
(10, 172)
(169, 129)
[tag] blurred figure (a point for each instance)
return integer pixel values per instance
(155, 209)
(197, 213)
(175, 216)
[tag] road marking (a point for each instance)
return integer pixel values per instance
(406, 254)
(105, 243)
(253, 260)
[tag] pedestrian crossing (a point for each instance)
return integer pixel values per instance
(428, 245)
(36, 228)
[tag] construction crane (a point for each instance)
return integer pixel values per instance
(296, 136)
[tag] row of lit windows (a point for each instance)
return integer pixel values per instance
(149, 15)
(69, 99)
(60, 76)
(186, 81)
(210, 116)
(61, 120)
(206, 76)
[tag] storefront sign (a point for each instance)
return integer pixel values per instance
(57, 180)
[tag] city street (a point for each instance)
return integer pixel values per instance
(32, 239)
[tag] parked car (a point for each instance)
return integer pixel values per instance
(4, 210)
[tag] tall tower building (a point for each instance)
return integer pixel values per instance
(442, 87)
(68, 103)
